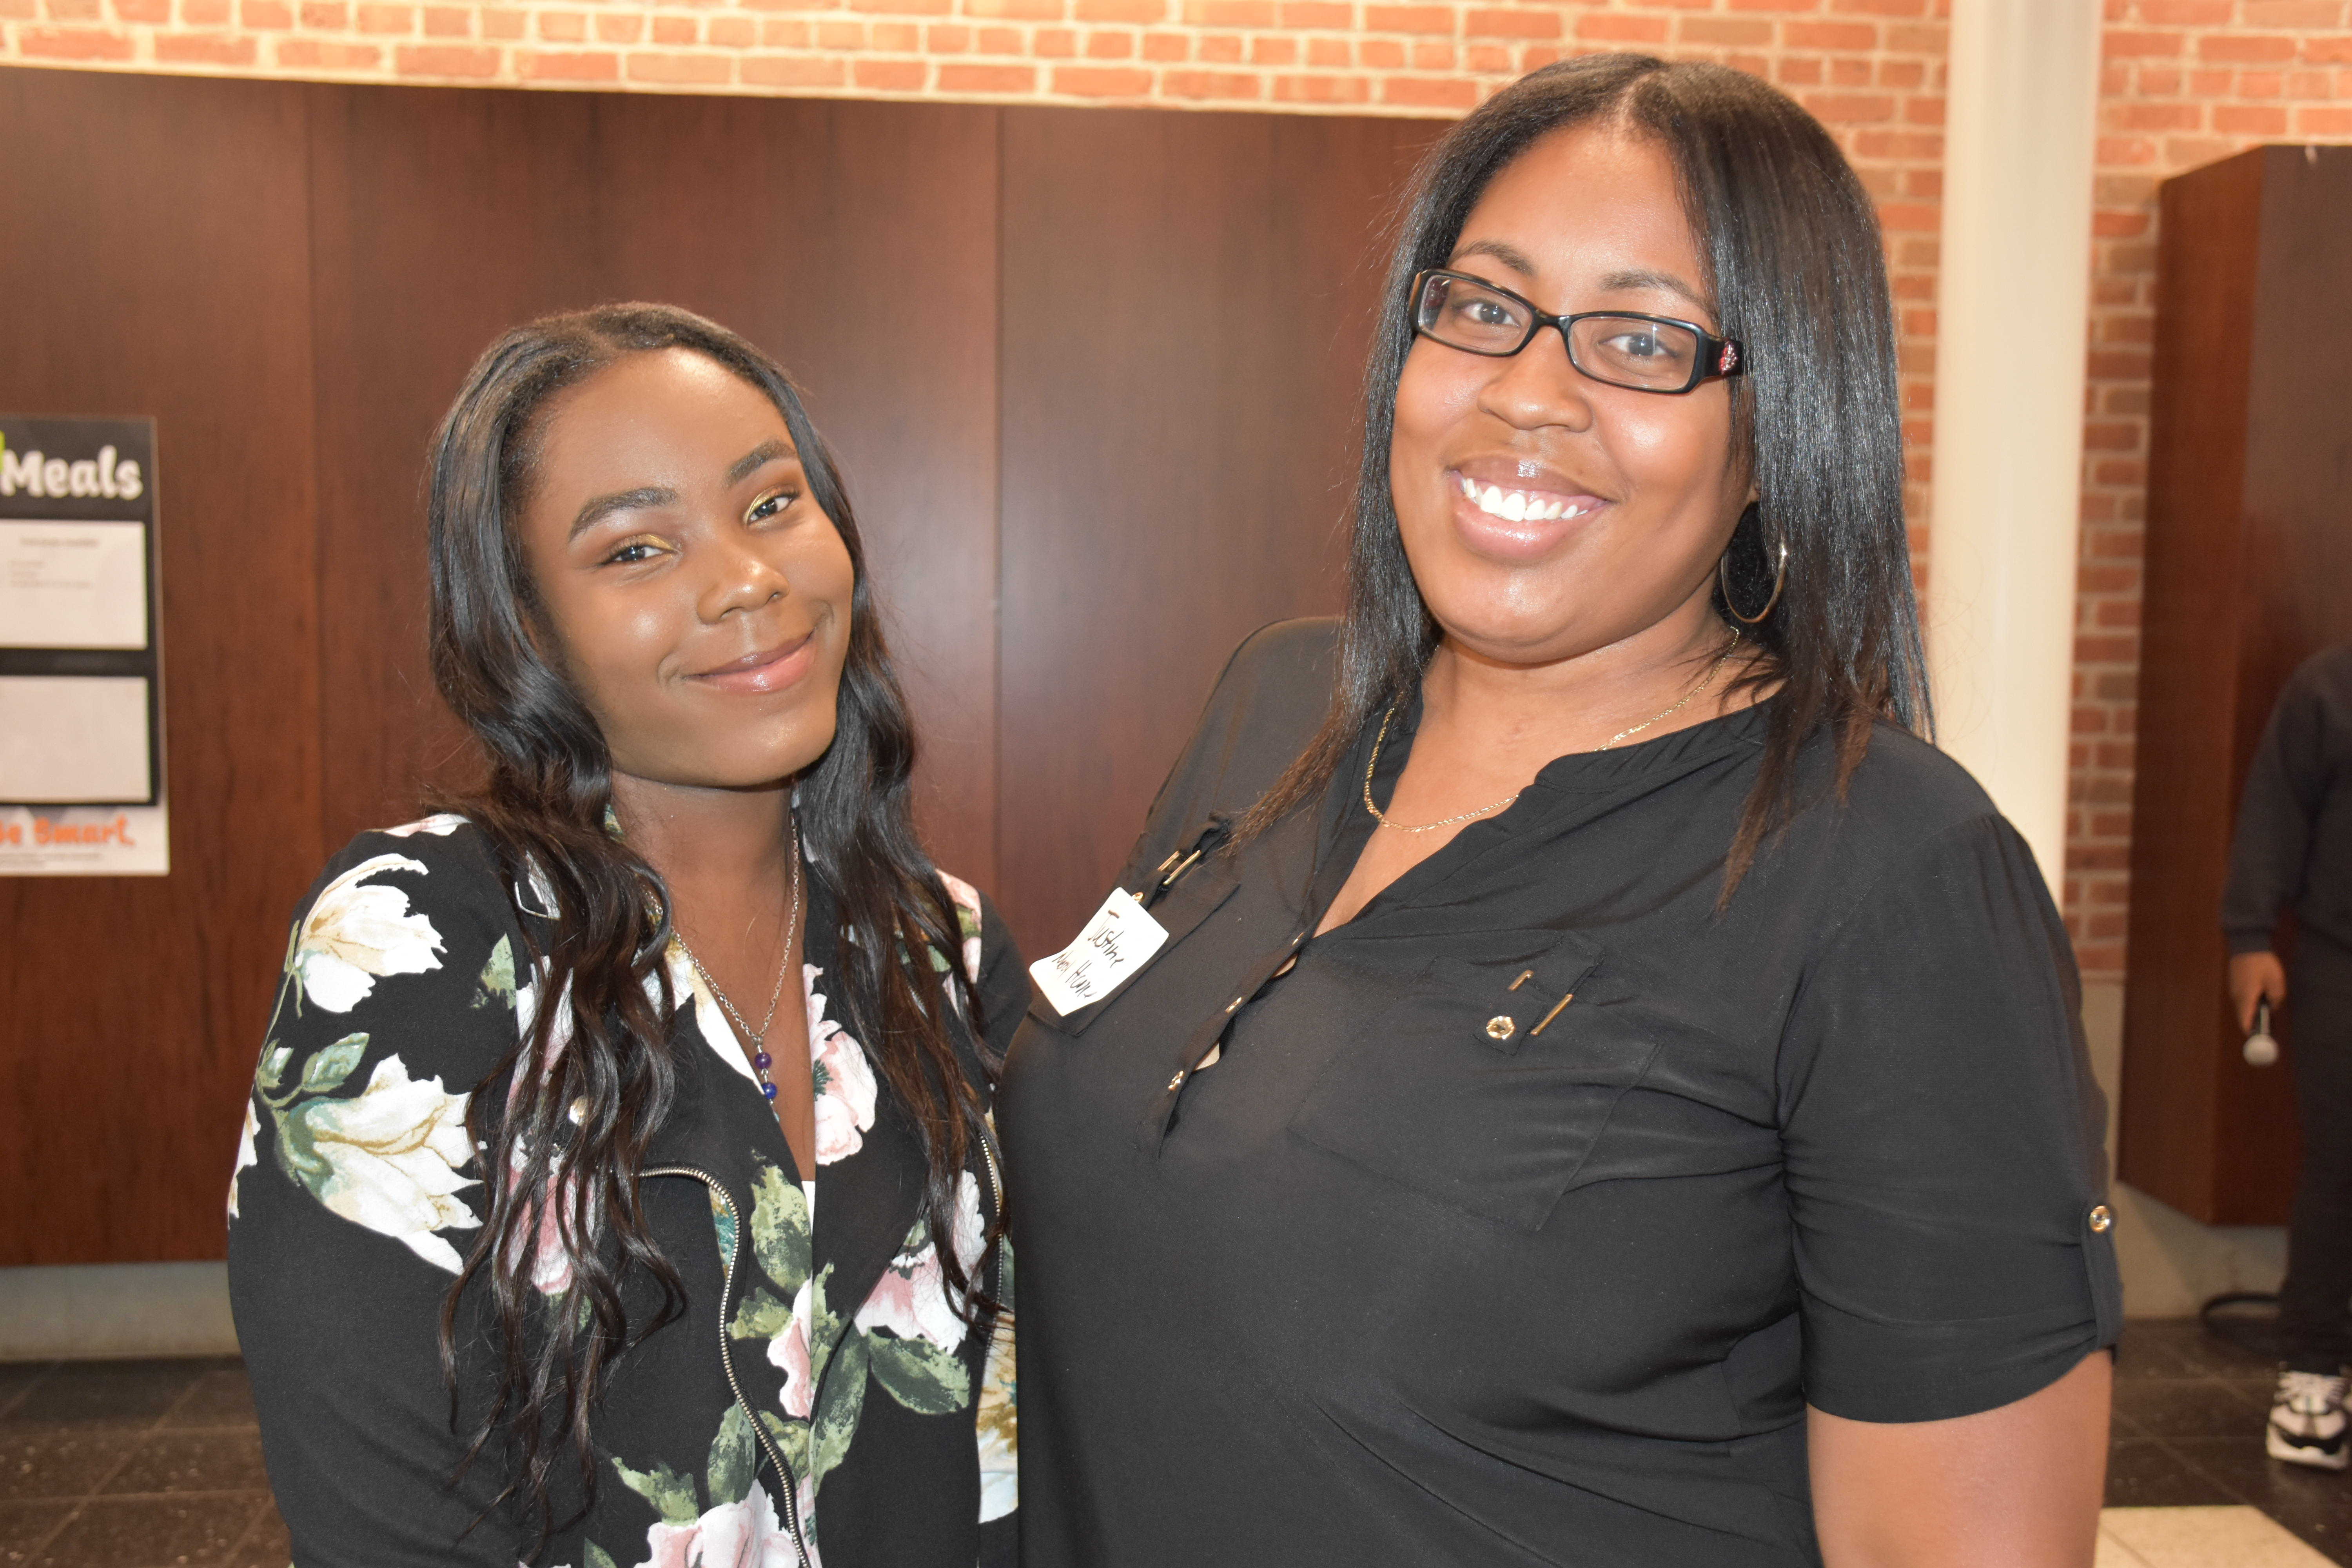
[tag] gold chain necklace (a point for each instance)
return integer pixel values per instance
(758, 1038)
(1686, 699)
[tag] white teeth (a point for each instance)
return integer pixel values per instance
(1518, 506)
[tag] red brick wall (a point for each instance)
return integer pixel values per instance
(1357, 56)
(2185, 81)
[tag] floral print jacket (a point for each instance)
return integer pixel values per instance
(821, 1403)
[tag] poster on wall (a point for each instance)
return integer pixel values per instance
(82, 664)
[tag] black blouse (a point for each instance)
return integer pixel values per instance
(1520, 1221)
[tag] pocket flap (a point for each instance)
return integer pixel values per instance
(1509, 1002)
(1483, 1097)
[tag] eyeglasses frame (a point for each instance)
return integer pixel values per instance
(1727, 356)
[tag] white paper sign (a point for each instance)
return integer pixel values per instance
(68, 738)
(73, 585)
(1118, 942)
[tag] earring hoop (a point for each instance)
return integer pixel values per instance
(1722, 584)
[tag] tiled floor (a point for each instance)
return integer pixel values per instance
(157, 1464)
(2188, 1432)
(2223, 1536)
(134, 1463)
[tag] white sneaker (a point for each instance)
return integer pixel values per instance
(2308, 1425)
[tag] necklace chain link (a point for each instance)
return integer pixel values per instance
(1687, 697)
(758, 1038)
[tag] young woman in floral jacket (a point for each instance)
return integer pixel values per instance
(546, 1247)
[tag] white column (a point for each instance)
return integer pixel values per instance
(2011, 323)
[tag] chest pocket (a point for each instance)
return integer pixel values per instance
(1486, 1085)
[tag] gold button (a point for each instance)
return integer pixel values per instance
(2100, 1218)
(1501, 1026)
(1175, 1081)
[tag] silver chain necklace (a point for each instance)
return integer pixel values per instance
(758, 1038)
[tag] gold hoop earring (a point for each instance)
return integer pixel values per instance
(1722, 584)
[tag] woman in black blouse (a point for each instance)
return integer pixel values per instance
(616, 1185)
(1607, 1093)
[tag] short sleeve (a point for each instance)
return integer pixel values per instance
(1943, 1142)
(357, 1193)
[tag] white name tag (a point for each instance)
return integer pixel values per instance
(1118, 942)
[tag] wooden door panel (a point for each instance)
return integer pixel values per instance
(441, 219)
(1188, 299)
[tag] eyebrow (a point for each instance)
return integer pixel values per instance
(1510, 256)
(603, 507)
(753, 460)
(1643, 278)
(1518, 261)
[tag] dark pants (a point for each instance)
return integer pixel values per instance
(2315, 1331)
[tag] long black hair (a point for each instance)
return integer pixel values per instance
(562, 1143)
(1793, 260)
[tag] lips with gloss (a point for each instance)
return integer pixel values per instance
(772, 669)
(1502, 521)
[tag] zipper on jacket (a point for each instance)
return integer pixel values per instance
(996, 1199)
(727, 1357)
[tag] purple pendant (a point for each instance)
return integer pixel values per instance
(762, 1060)
(769, 1089)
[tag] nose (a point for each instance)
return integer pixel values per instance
(1537, 386)
(742, 580)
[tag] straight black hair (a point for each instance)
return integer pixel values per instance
(1795, 263)
(600, 1036)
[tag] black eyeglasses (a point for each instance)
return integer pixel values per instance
(1620, 348)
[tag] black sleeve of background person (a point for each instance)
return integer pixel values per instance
(1943, 1138)
(2284, 786)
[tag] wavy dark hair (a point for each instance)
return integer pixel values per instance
(599, 940)
(1795, 263)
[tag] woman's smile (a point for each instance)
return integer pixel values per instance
(779, 666)
(1498, 513)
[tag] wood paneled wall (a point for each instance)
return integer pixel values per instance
(1092, 377)
(147, 271)
(1172, 478)
(2248, 574)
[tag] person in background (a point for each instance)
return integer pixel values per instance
(2293, 853)
(617, 1185)
(1606, 1091)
